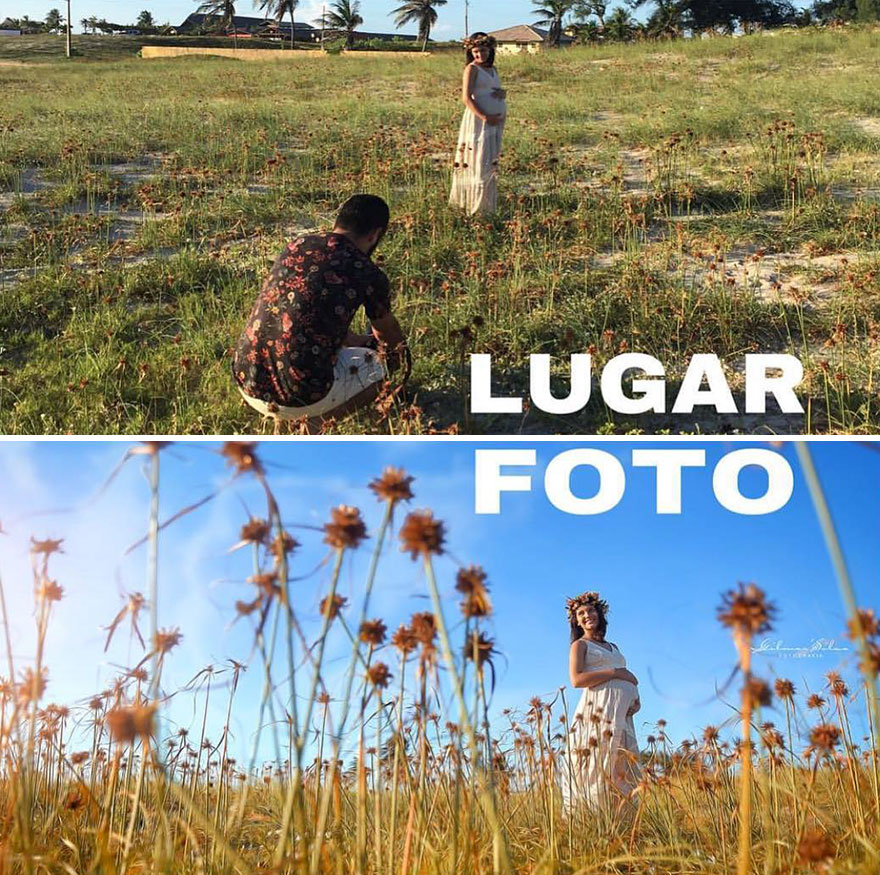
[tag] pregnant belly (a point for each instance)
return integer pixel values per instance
(491, 105)
(624, 692)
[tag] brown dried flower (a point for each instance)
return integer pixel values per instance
(815, 846)
(331, 606)
(824, 737)
(479, 648)
(746, 610)
(255, 531)
(404, 640)
(393, 486)
(242, 456)
(422, 535)
(283, 544)
(757, 692)
(378, 675)
(864, 624)
(346, 529)
(471, 582)
(373, 632)
(46, 547)
(126, 724)
(167, 639)
(784, 689)
(424, 627)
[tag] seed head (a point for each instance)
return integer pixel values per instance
(784, 689)
(126, 724)
(424, 628)
(422, 535)
(393, 486)
(479, 648)
(242, 456)
(757, 692)
(864, 624)
(746, 610)
(404, 640)
(378, 675)
(167, 640)
(824, 737)
(836, 684)
(50, 591)
(815, 701)
(331, 606)
(284, 544)
(815, 846)
(346, 529)
(373, 632)
(46, 547)
(471, 582)
(32, 686)
(255, 531)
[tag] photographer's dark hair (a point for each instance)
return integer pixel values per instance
(601, 627)
(363, 213)
(469, 54)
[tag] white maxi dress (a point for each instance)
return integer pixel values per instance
(600, 761)
(475, 164)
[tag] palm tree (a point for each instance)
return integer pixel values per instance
(583, 9)
(278, 9)
(421, 11)
(588, 32)
(620, 26)
(343, 16)
(552, 12)
(54, 22)
(225, 11)
(666, 21)
(25, 25)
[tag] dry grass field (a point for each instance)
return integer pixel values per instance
(390, 758)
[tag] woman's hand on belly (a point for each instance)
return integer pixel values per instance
(624, 674)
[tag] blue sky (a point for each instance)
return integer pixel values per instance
(482, 15)
(663, 575)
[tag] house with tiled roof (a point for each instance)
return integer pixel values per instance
(525, 38)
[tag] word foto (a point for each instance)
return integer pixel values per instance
(490, 481)
(648, 395)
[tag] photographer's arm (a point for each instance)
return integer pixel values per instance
(390, 335)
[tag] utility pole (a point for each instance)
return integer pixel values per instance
(466, 31)
(323, 20)
(69, 51)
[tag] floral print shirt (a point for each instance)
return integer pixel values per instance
(301, 318)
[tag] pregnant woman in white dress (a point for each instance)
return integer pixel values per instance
(601, 759)
(475, 165)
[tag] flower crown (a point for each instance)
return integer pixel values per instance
(482, 41)
(585, 598)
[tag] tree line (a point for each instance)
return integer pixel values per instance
(590, 21)
(587, 21)
(54, 22)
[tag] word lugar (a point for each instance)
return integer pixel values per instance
(775, 374)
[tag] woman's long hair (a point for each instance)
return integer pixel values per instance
(469, 55)
(601, 626)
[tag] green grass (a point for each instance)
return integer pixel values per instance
(627, 171)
